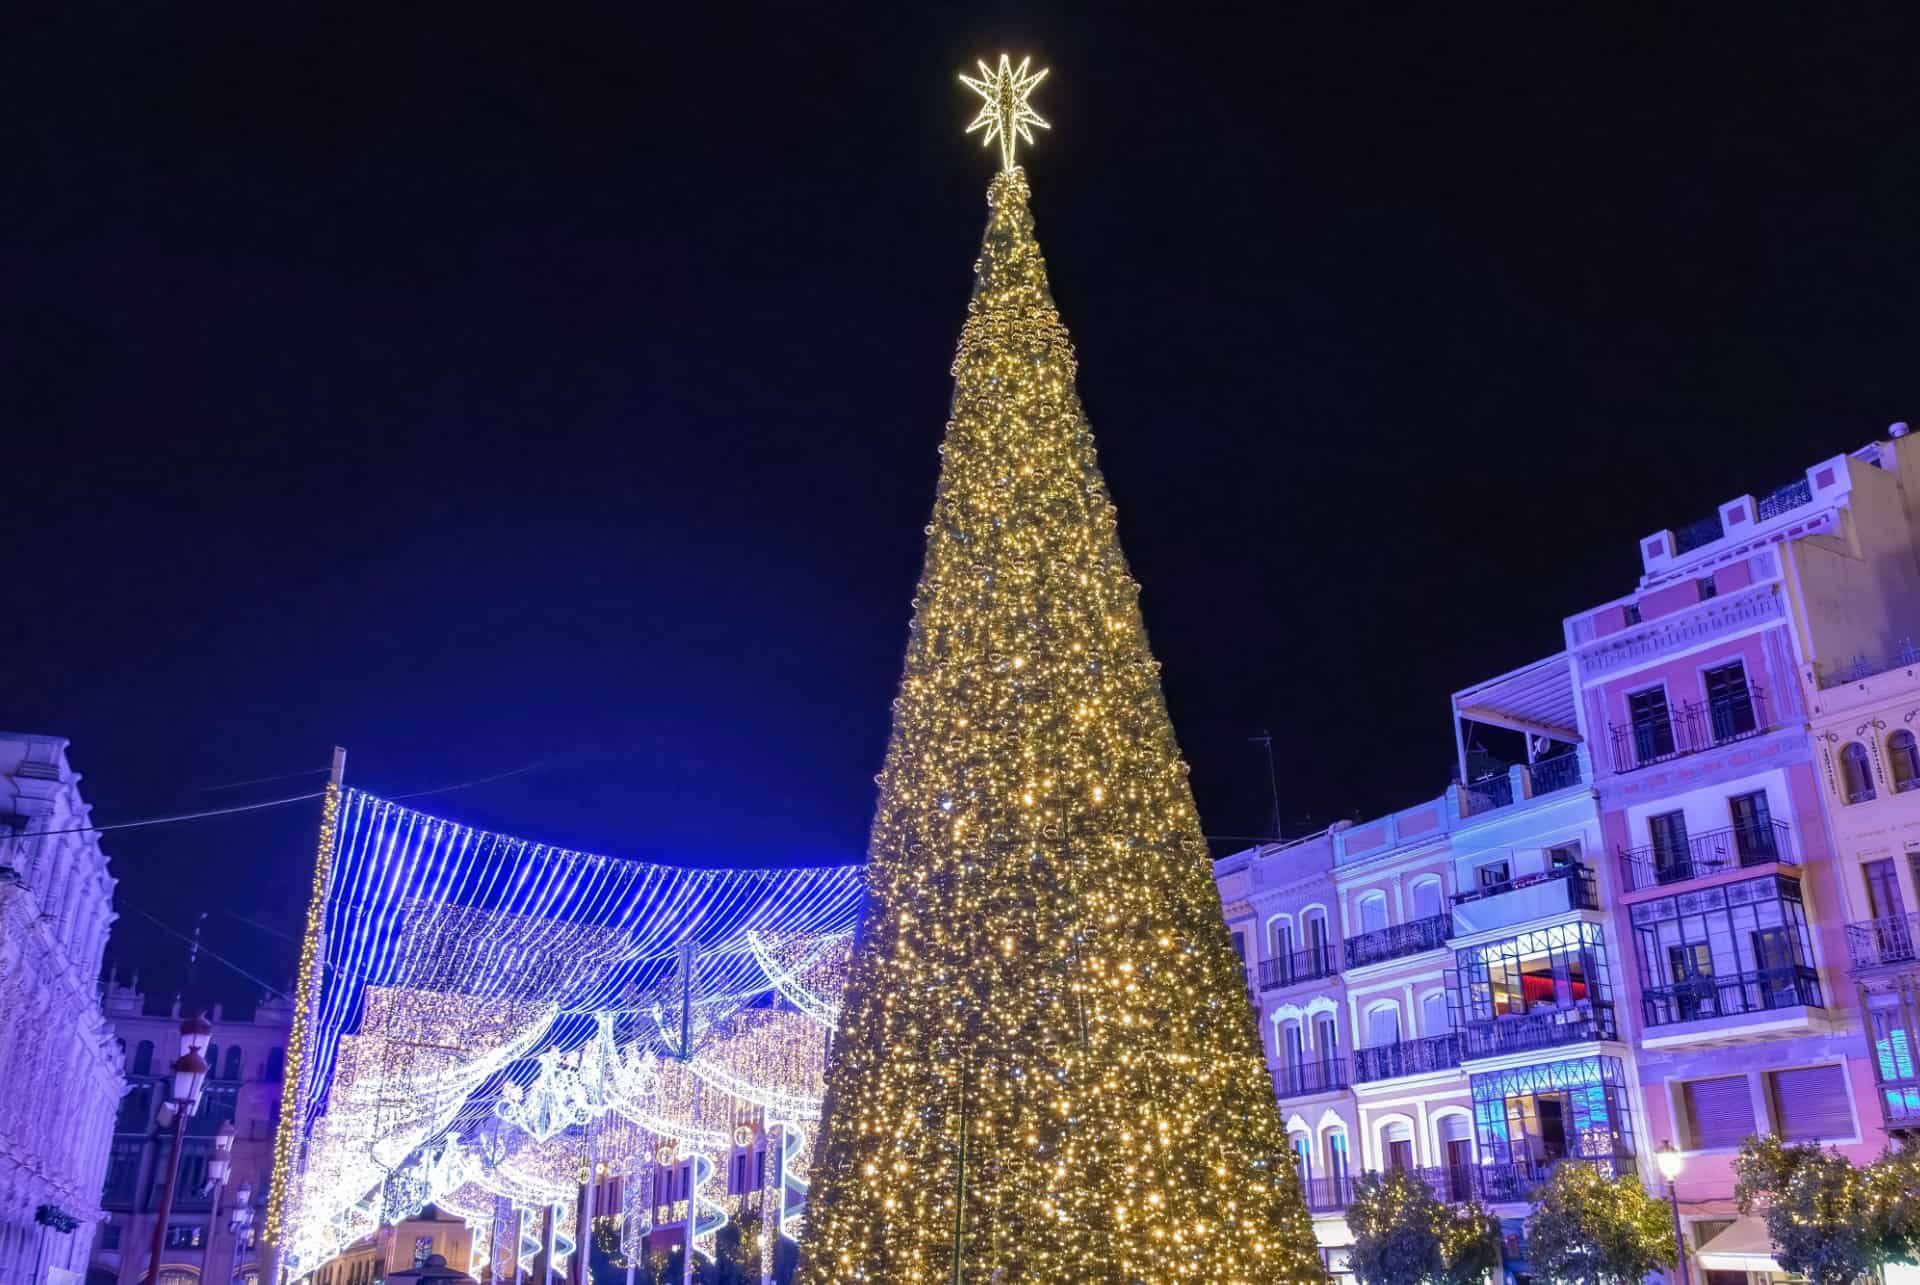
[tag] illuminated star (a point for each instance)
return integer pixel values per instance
(1005, 115)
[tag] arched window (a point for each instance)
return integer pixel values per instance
(1303, 1157)
(1903, 760)
(1279, 937)
(1454, 1134)
(1383, 1025)
(1313, 930)
(233, 1064)
(143, 1058)
(1426, 899)
(1396, 1141)
(1433, 1013)
(1856, 775)
(1373, 912)
(1337, 1169)
(276, 1058)
(213, 1061)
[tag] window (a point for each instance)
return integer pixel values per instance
(109, 1236)
(1303, 1157)
(1856, 774)
(1326, 1037)
(276, 1059)
(1903, 761)
(1433, 1013)
(1280, 934)
(1292, 1050)
(1672, 859)
(181, 1236)
(1373, 912)
(1729, 702)
(143, 1058)
(1314, 924)
(1426, 899)
(1454, 1134)
(1536, 990)
(1562, 855)
(233, 1066)
(1383, 1025)
(1753, 835)
(1337, 1157)
(213, 1061)
(1397, 1142)
(1240, 946)
(1706, 587)
(1631, 613)
(1493, 874)
(1529, 1116)
(1652, 725)
(1715, 1113)
(1883, 891)
(123, 1169)
(422, 1247)
(1810, 1103)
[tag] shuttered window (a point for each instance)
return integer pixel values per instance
(1810, 1103)
(1719, 1111)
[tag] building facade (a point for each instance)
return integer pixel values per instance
(1682, 912)
(63, 1071)
(211, 1235)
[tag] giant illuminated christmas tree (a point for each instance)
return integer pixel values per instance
(1047, 1069)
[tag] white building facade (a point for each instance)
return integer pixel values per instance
(62, 1069)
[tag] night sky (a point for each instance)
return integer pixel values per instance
(495, 385)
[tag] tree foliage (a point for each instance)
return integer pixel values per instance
(1589, 1229)
(1830, 1220)
(1404, 1236)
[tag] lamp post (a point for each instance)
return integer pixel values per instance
(219, 1165)
(1670, 1161)
(189, 1075)
(239, 1221)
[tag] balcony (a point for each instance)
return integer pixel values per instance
(1526, 898)
(1526, 1032)
(1406, 1057)
(1307, 1078)
(1862, 666)
(1900, 1103)
(1711, 853)
(1300, 966)
(1880, 942)
(1398, 941)
(1700, 998)
(1688, 729)
(1327, 1195)
(1527, 780)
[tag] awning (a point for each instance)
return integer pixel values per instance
(1743, 1247)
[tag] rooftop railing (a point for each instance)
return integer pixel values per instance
(1300, 966)
(1783, 499)
(1688, 729)
(1406, 1057)
(1695, 534)
(1731, 994)
(1399, 940)
(1894, 939)
(1526, 1032)
(1303, 1078)
(1862, 666)
(1710, 852)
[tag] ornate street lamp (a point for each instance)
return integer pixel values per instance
(1670, 1162)
(188, 1077)
(239, 1219)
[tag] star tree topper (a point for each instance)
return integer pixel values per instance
(1005, 114)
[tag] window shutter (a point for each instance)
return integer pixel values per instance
(1811, 1103)
(1719, 1111)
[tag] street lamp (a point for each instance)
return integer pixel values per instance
(188, 1075)
(239, 1219)
(1670, 1162)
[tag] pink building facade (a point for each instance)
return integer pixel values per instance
(1682, 907)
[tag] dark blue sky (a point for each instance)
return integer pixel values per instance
(482, 385)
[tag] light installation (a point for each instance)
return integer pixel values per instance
(496, 1027)
(1045, 1068)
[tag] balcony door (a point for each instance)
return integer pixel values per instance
(1752, 828)
(1729, 703)
(1652, 724)
(1668, 833)
(1883, 891)
(1690, 969)
(1326, 1038)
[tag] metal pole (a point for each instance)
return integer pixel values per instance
(1679, 1241)
(166, 1190)
(960, 1195)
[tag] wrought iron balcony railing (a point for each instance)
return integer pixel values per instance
(1528, 897)
(1487, 794)
(1497, 790)
(1892, 940)
(1708, 853)
(1557, 773)
(1327, 1195)
(1862, 666)
(1763, 990)
(1399, 940)
(1541, 1029)
(1900, 1102)
(1299, 966)
(1688, 729)
(1303, 1078)
(1406, 1057)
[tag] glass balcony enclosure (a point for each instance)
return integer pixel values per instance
(1737, 948)
(1540, 989)
(1528, 1119)
(1519, 899)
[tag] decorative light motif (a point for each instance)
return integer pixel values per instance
(1046, 1068)
(809, 972)
(1005, 114)
(481, 1006)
